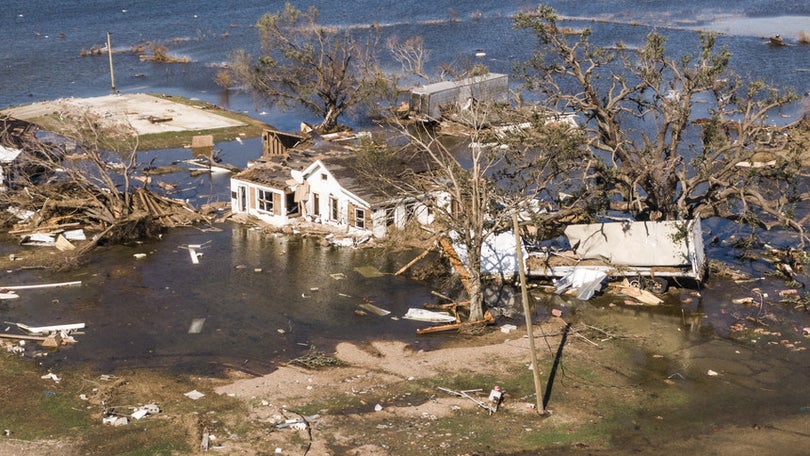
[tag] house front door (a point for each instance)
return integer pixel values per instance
(242, 198)
(316, 204)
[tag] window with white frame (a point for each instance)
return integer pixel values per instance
(266, 201)
(360, 218)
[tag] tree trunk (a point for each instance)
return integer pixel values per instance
(476, 297)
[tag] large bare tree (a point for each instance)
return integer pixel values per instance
(472, 182)
(653, 155)
(327, 70)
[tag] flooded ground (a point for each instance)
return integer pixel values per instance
(263, 299)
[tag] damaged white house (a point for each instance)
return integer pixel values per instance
(322, 184)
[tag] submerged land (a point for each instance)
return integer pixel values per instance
(627, 383)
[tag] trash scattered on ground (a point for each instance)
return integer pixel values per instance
(194, 395)
(298, 422)
(506, 329)
(196, 326)
(428, 316)
(712, 373)
(465, 394)
(495, 397)
(374, 309)
(52, 376)
(586, 282)
(338, 275)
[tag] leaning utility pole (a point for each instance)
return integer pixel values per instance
(538, 386)
(109, 53)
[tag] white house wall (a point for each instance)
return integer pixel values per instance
(322, 183)
(251, 206)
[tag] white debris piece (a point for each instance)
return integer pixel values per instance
(194, 395)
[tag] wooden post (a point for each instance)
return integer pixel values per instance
(412, 262)
(109, 53)
(538, 386)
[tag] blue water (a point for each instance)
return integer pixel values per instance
(42, 40)
(138, 312)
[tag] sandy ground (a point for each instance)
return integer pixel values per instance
(135, 109)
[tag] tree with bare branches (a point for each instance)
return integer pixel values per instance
(326, 70)
(652, 153)
(471, 186)
(94, 186)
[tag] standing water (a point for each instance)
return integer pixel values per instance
(257, 299)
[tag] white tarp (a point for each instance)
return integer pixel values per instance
(498, 255)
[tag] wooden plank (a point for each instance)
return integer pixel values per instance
(461, 270)
(488, 320)
(412, 262)
(44, 285)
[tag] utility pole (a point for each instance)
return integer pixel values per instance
(538, 386)
(109, 53)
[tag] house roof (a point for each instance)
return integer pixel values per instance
(276, 170)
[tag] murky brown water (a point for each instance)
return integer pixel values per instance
(263, 300)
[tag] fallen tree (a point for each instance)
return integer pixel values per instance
(91, 188)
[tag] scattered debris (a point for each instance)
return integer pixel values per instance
(488, 320)
(292, 422)
(506, 329)
(196, 326)
(194, 395)
(374, 309)
(143, 411)
(429, 316)
(48, 329)
(642, 296)
(465, 394)
(314, 359)
(495, 397)
(52, 376)
(586, 281)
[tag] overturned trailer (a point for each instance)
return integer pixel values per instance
(648, 254)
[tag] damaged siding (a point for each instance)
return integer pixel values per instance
(262, 202)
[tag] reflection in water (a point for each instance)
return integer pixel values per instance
(263, 299)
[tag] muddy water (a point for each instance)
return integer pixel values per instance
(263, 300)
(684, 352)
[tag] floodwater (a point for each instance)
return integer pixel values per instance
(264, 300)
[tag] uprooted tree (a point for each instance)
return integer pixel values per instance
(653, 153)
(93, 186)
(326, 70)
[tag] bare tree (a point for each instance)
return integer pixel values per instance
(651, 156)
(324, 69)
(411, 54)
(94, 186)
(473, 185)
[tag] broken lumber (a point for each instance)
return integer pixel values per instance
(412, 262)
(488, 320)
(638, 294)
(459, 267)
